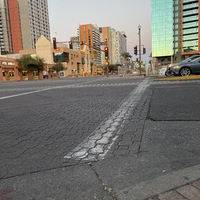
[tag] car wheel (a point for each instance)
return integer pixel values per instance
(168, 74)
(185, 71)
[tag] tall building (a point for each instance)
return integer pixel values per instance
(106, 40)
(175, 30)
(23, 22)
(89, 34)
(119, 46)
(5, 30)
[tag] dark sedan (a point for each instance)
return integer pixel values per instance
(185, 68)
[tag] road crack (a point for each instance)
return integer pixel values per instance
(106, 187)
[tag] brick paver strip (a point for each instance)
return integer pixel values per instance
(158, 185)
(190, 192)
(172, 195)
(196, 184)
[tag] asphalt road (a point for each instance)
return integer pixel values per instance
(97, 138)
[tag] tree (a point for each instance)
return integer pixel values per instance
(58, 67)
(113, 68)
(39, 62)
(126, 56)
(31, 64)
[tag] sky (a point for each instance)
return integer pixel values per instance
(122, 15)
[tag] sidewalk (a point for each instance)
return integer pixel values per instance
(190, 191)
(183, 184)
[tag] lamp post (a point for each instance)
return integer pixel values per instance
(139, 33)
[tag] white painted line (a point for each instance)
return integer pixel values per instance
(59, 87)
(41, 90)
(100, 141)
(22, 94)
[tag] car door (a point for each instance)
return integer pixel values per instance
(195, 66)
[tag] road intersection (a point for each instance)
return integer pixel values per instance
(98, 138)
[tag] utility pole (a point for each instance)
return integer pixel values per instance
(106, 56)
(140, 60)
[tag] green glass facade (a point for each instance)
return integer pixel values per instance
(162, 28)
(175, 28)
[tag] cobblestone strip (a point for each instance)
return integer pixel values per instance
(97, 145)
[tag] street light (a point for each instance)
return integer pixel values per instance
(139, 33)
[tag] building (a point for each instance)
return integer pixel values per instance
(8, 68)
(119, 46)
(75, 43)
(106, 40)
(175, 30)
(22, 23)
(97, 38)
(116, 43)
(5, 29)
(77, 63)
(89, 34)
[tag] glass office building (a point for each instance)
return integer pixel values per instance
(190, 27)
(175, 29)
(162, 28)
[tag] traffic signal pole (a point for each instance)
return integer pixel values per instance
(106, 57)
(140, 60)
(139, 50)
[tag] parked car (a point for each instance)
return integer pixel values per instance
(162, 71)
(185, 68)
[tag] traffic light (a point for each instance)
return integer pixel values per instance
(54, 43)
(106, 53)
(70, 45)
(144, 50)
(135, 50)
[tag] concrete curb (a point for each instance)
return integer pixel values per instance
(178, 78)
(160, 184)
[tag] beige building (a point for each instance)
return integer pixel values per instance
(8, 69)
(77, 63)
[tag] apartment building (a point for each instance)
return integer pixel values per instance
(5, 28)
(106, 41)
(119, 46)
(22, 23)
(116, 43)
(175, 30)
(100, 37)
(89, 34)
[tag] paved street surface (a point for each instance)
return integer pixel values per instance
(116, 138)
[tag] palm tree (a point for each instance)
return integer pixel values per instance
(127, 57)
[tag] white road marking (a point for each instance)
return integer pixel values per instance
(97, 144)
(36, 90)
(22, 94)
